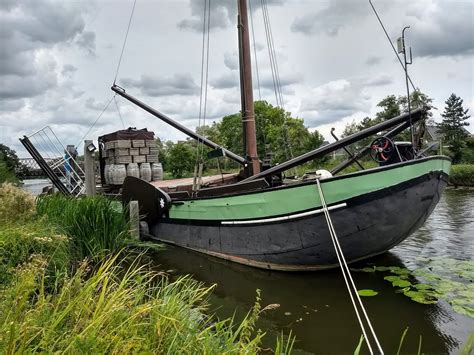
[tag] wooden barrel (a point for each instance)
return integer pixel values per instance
(145, 171)
(132, 170)
(106, 174)
(110, 174)
(157, 171)
(119, 174)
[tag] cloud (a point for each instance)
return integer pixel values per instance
(445, 28)
(333, 101)
(373, 60)
(86, 41)
(68, 70)
(178, 84)
(330, 19)
(223, 14)
(380, 80)
(231, 60)
(30, 30)
(226, 81)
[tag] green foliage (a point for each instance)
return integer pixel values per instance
(181, 158)
(94, 225)
(22, 241)
(9, 157)
(277, 133)
(452, 127)
(109, 304)
(462, 175)
(391, 107)
(467, 152)
(115, 309)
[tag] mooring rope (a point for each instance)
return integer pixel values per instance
(351, 287)
(118, 110)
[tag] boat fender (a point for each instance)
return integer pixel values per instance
(323, 174)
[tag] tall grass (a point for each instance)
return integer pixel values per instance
(140, 311)
(94, 224)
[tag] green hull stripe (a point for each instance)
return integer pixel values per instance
(288, 200)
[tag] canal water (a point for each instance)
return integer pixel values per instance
(315, 306)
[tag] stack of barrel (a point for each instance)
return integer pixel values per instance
(129, 152)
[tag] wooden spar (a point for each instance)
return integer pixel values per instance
(321, 151)
(178, 126)
(248, 114)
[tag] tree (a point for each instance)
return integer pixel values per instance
(452, 127)
(180, 158)
(391, 108)
(9, 157)
(9, 162)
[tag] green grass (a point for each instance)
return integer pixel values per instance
(462, 175)
(95, 225)
(138, 311)
(66, 285)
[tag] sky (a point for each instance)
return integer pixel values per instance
(58, 60)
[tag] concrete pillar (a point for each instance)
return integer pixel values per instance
(89, 169)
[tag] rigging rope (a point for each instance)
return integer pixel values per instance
(390, 41)
(125, 40)
(118, 110)
(97, 119)
(203, 90)
(276, 76)
(351, 287)
(264, 128)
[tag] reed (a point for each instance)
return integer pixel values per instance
(117, 309)
(95, 225)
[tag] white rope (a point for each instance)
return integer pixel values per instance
(351, 287)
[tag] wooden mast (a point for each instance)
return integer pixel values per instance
(248, 114)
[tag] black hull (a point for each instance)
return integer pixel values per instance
(368, 225)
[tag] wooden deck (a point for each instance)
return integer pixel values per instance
(186, 183)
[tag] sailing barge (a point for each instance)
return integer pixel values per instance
(262, 220)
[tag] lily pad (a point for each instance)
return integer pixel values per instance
(367, 293)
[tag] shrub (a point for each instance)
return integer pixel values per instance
(462, 175)
(15, 203)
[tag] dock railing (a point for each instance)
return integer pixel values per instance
(57, 162)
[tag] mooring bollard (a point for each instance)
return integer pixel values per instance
(134, 220)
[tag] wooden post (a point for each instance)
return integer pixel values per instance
(89, 169)
(134, 220)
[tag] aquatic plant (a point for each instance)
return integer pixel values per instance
(439, 279)
(95, 225)
(118, 309)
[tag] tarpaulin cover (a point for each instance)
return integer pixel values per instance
(128, 134)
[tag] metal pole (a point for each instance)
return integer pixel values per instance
(408, 87)
(89, 170)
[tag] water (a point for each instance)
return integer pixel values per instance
(316, 307)
(35, 186)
